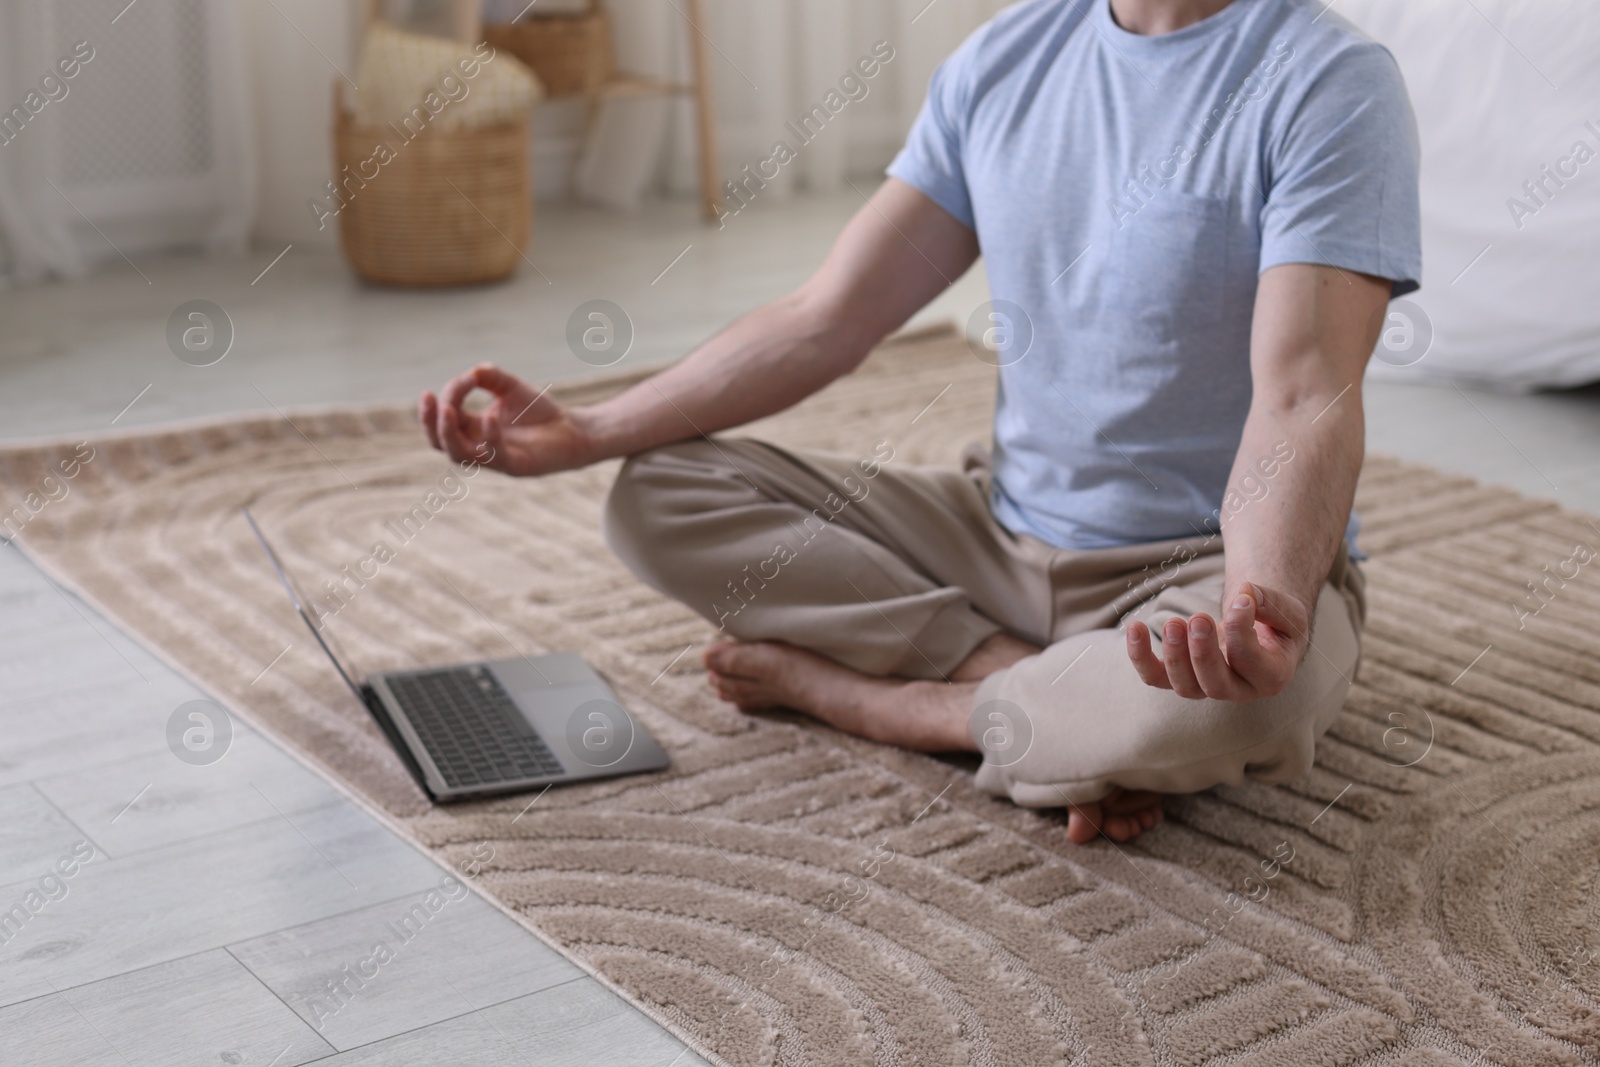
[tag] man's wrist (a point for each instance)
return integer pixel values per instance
(593, 438)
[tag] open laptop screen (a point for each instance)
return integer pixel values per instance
(300, 605)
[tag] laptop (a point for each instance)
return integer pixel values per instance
(499, 726)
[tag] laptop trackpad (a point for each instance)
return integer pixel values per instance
(549, 707)
(570, 706)
(545, 672)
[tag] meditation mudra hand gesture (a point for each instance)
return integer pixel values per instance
(1263, 637)
(521, 432)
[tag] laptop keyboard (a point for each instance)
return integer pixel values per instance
(472, 728)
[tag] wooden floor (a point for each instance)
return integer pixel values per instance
(228, 913)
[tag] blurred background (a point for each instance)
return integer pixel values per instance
(163, 159)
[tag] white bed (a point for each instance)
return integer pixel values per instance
(1505, 91)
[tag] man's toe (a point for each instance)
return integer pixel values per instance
(1083, 823)
(717, 657)
(740, 692)
(744, 659)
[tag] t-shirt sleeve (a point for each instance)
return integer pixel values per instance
(1344, 177)
(931, 160)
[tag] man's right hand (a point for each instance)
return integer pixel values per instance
(522, 432)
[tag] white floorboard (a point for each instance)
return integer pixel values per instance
(202, 1009)
(33, 832)
(370, 973)
(123, 913)
(153, 800)
(580, 1024)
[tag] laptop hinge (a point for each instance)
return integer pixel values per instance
(386, 724)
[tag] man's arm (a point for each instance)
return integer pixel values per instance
(1313, 332)
(897, 253)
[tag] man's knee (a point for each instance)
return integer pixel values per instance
(627, 509)
(640, 503)
(1167, 745)
(667, 514)
(1099, 727)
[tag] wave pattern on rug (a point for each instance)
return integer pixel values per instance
(787, 895)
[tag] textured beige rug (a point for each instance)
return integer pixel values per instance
(787, 895)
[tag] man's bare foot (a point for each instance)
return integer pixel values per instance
(924, 716)
(1120, 815)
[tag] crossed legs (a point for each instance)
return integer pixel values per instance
(926, 716)
(891, 605)
(864, 596)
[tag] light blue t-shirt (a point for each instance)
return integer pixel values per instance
(1127, 191)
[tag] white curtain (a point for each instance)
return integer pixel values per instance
(144, 145)
(34, 235)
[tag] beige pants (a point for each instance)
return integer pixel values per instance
(904, 572)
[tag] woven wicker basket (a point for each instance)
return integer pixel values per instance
(452, 207)
(571, 54)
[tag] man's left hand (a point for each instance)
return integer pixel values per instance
(1264, 635)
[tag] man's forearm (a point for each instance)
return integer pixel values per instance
(766, 361)
(1290, 493)
(1313, 332)
(1290, 490)
(897, 253)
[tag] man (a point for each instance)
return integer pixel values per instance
(1199, 210)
